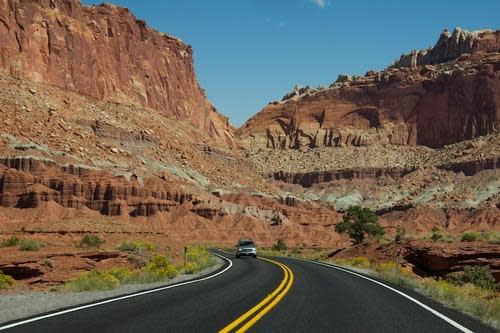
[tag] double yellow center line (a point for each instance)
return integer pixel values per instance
(249, 318)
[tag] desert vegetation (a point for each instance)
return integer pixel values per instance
(136, 247)
(29, 245)
(6, 281)
(473, 291)
(280, 245)
(358, 223)
(197, 259)
(12, 241)
(91, 241)
(470, 236)
(157, 269)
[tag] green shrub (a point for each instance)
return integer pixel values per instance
(456, 278)
(470, 236)
(481, 276)
(90, 240)
(494, 237)
(6, 281)
(29, 245)
(400, 234)
(12, 241)
(358, 223)
(137, 247)
(94, 280)
(436, 234)
(200, 256)
(280, 245)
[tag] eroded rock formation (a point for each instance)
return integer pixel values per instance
(430, 105)
(27, 182)
(106, 53)
(451, 45)
(442, 259)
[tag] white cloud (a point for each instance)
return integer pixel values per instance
(319, 3)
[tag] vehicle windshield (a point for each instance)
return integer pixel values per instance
(246, 243)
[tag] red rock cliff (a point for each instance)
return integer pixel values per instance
(431, 105)
(106, 53)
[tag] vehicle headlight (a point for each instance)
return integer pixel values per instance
(240, 249)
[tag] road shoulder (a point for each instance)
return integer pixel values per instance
(27, 304)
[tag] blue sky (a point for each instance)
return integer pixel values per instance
(250, 52)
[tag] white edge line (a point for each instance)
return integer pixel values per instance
(428, 308)
(19, 323)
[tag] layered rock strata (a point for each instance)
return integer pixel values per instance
(27, 182)
(308, 179)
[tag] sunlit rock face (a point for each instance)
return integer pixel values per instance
(106, 53)
(450, 94)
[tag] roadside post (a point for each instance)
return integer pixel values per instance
(398, 254)
(185, 256)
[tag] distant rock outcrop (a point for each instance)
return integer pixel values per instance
(451, 45)
(308, 179)
(106, 53)
(430, 105)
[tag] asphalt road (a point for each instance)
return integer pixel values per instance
(321, 299)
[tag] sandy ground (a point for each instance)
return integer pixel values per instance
(27, 304)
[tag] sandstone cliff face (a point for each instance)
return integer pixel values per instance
(431, 105)
(106, 53)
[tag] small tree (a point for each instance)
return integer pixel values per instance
(359, 222)
(280, 245)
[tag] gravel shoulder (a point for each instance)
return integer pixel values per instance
(26, 304)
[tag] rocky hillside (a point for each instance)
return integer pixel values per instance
(70, 164)
(419, 138)
(100, 124)
(105, 53)
(447, 96)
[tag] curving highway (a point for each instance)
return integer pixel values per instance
(261, 295)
